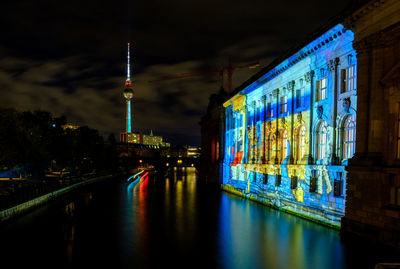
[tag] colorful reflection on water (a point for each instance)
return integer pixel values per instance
(176, 222)
(254, 236)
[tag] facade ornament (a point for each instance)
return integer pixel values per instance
(308, 76)
(299, 117)
(351, 21)
(331, 65)
(379, 39)
(337, 61)
(346, 104)
(320, 112)
(322, 72)
(290, 85)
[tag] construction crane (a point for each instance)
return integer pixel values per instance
(228, 69)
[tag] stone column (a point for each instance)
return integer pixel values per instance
(231, 134)
(222, 131)
(291, 89)
(245, 136)
(254, 150)
(363, 92)
(263, 126)
(227, 127)
(379, 98)
(333, 66)
(309, 77)
(276, 93)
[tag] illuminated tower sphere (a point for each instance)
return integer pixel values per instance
(128, 94)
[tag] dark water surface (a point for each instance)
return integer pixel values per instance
(175, 223)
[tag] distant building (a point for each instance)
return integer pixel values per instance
(212, 126)
(193, 151)
(70, 126)
(143, 139)
(180, 151)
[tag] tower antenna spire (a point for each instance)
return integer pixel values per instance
(128, 67)
(128, 94)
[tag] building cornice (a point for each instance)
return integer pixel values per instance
(291, 58)
(361, 12)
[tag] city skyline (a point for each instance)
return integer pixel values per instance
(70, 58)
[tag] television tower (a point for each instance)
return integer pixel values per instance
(128, 93)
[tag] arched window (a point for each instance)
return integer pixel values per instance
(322, 130)
(349, 138)
(284, 146)
(301, 141)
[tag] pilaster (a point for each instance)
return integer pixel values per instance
(309, 78)
(290, 87)
(334, 67)
(276, 93)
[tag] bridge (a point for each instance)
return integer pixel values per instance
(136, 156)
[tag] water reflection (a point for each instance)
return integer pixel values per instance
(69, 239)
(252, 235)
(142, 193)
(175, 222)
(69, 209)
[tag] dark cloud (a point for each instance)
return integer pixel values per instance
(68, 57)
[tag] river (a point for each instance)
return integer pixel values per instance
(175, 222)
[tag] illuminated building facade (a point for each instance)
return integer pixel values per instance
(148, 140)
(193, 151)
(290, 130)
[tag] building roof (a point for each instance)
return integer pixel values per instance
(297, 52)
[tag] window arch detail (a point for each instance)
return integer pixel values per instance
(322, 131)
(301, 141)
(349, 137)
(284, 145)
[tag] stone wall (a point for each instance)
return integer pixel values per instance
(373, 186)
(32, 204)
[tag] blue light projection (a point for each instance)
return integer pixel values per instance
(284, 132)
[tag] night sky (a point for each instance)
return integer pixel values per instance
(69, 57)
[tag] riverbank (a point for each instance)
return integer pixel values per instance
(28, 206)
